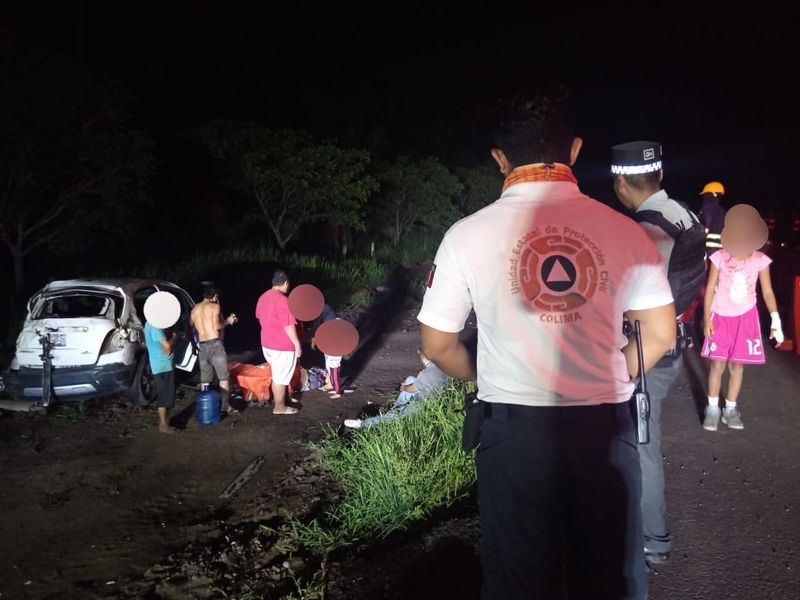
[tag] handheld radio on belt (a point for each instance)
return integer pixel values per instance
(641, 396)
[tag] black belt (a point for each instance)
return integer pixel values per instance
(500, 410)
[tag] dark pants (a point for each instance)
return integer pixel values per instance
(559, 491)
(654, 507)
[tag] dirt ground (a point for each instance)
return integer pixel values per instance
(100, 505)
(91, 499)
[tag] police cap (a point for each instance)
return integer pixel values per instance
(635, 158)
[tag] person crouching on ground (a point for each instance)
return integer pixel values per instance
(159, 351)
(207, 319)
(279, 340)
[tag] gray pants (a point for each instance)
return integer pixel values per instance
(654, 509)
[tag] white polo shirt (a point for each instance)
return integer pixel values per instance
(549, 272)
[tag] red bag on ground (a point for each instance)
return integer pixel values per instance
(255, 380)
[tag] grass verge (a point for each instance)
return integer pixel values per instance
(389, 476)
(344, 282)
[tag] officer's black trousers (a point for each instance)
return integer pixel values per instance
(559, 491)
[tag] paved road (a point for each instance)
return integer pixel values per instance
(734, 496)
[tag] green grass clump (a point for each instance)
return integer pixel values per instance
(392, 475)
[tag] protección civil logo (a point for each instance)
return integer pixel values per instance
(557, 270)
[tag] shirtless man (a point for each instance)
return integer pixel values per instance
(207, 320)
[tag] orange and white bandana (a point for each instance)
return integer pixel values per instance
(539, 172)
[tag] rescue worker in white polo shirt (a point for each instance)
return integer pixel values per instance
(550, 274)
(680, 237)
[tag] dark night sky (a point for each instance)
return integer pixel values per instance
(711, 83)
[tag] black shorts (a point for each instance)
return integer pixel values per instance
(164, 384)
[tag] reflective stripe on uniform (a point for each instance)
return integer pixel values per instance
(713, 240)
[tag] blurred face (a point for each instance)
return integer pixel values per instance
(744, 231)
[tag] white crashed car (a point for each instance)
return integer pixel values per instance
(96, 328)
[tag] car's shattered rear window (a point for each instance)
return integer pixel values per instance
(73, 306)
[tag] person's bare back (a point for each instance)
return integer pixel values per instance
(206, 318)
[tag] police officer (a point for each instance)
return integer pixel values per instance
(712, 215)
(550, 273)
(678, 235)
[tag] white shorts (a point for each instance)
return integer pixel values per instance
(282, 363)
(333, 362)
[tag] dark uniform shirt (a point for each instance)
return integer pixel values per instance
(712, 216)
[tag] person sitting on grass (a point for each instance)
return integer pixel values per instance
(428, 381)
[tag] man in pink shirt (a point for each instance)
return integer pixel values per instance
(279, 340)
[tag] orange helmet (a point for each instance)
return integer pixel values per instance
(715, 187)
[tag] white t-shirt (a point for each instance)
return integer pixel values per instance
(549, 272)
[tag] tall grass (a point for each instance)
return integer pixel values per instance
(414, 248)
(392, 475)
(341, 277)
(185, 272)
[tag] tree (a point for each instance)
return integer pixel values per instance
(417, 192)
(482, 186)
(71, 166)
(294, 178)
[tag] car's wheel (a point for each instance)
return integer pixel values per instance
(142, 392)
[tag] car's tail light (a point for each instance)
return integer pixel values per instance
(114, 342)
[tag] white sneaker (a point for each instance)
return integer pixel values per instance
(711, 420)
(732, 418)
(353, 423)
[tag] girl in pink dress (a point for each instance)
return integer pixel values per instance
(732, 329)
